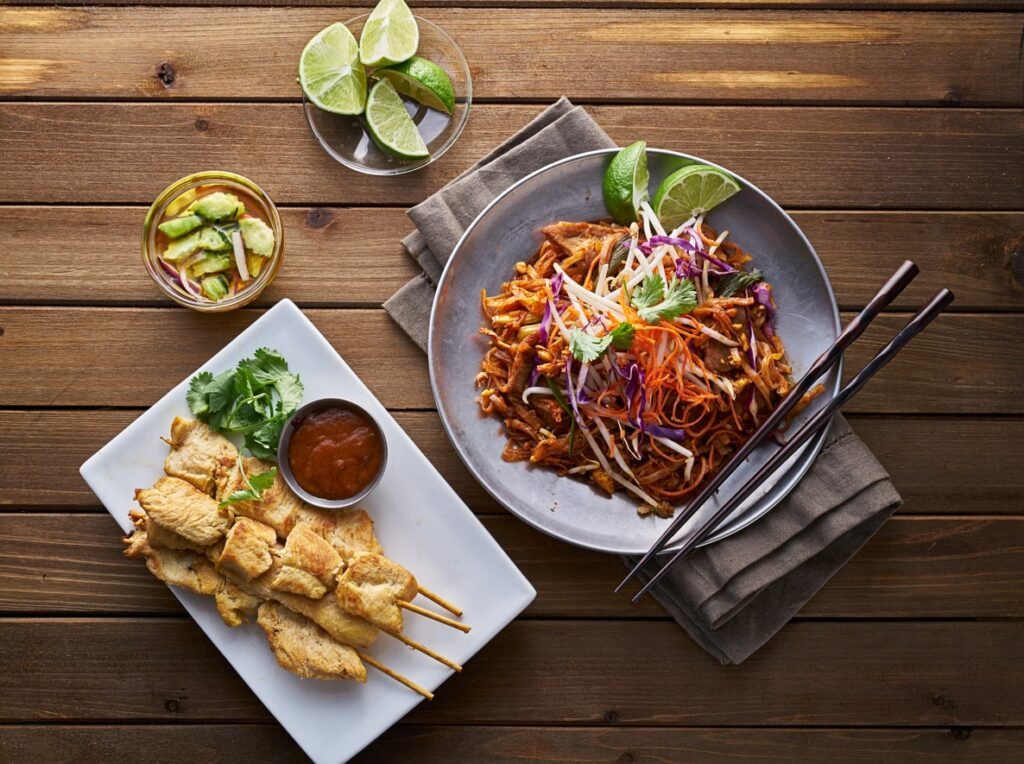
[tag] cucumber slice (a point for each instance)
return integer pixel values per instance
(215, 287)
(213, 240)
(257, 236)
(176, 227)
(219, 207)
(183, 247)
(211, 263)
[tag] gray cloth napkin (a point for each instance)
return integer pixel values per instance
(732, 596)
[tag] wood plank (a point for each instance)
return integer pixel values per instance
(506, 745)
(715, 56)
(941, 5)
(328, 248)
(810, 674)
(434, 744)
(833, 157)
(916, 567)
(1004, 5)
(963, 364)
(942, 465)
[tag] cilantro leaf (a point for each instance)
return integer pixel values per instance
(197, 393)
(586, 348)
(257, 485)
(255, 399)
(654, 302)
(622, 336)
(736, 282)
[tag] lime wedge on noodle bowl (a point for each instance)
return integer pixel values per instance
(625, 183)
(692, 191)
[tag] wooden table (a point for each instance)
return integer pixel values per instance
(887, 134)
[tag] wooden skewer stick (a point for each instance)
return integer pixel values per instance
(395, 675)
(432, 615)
(425, 650)
(453, 609)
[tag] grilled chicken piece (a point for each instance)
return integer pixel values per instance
(278, 506)
(580, 242)
(303, 648)
(184, 509)
(160, 536)
(310, 552)
(235, 606)
(177, 567)
(370, 586)
(349, 531)
(324, 612)
(298, 581)
(246, 551)
(199, 455)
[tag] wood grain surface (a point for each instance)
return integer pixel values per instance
(947, 465)
(818, 674)
(888, 130)
(819, 158)
(815, 57)
(977, 373)
(328, 247)
(434, 744)
(914, 568)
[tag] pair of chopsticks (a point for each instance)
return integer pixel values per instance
(819, 421)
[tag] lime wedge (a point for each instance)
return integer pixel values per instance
(691, 191)
(423, 81)
(330, 73)
(390, 35)
(390, 125)
(625, 183)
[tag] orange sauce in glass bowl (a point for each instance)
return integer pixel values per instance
(335, 453)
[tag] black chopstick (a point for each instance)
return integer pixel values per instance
(889, 291)
(815, 424)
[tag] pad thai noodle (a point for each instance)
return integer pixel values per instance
(636, 358)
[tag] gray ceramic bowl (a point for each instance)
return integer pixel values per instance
(285, 468)
(509, 230)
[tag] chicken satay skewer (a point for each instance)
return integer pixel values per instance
(424, 649)
(433, 616)
(438, 599)
(370, 661)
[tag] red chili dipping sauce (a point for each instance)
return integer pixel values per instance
(335, 453)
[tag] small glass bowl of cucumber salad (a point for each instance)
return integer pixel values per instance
(385, 93)
(212, 241)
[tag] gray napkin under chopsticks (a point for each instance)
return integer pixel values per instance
(732, 596)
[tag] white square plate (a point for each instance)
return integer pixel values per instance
(420, 521)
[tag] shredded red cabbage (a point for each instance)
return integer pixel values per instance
(669, 433)
(763, 295)
(675, 241)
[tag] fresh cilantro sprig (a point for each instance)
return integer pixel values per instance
(257, 485)
(254, 399)
(560, 399)
(654, 302)
(736, 282)
(586, 348)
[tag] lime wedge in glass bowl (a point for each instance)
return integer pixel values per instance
(390, 34)
(330, 72)
(423, 81)
(347, 139)
(390, 125)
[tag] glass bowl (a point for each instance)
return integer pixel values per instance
(174, 192)
(345, 138)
